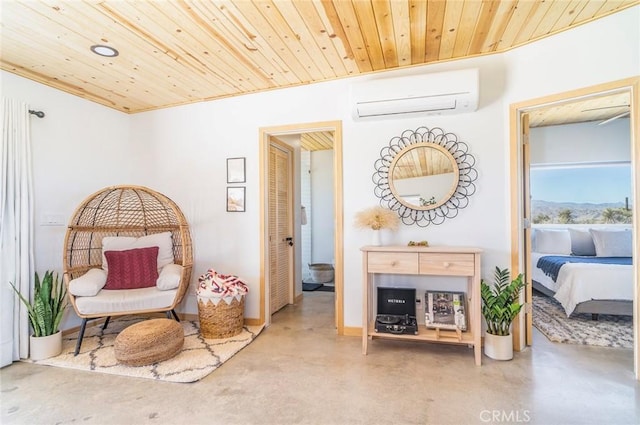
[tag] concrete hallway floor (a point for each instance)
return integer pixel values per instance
(298, 371)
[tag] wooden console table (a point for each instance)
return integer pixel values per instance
(435, 261)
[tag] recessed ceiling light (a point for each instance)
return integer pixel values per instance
(102, 50)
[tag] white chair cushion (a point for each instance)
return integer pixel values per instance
(169, 277)
(89, 284)
(122, 243)
(126, 300)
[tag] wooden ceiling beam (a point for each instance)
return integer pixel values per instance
(450, 29)
(349, 23)
(418, 25)
(368, 27)
(435, 20)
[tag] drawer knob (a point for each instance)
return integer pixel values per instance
(446, 265)
(394, 263)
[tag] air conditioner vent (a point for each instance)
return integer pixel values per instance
(426, 94)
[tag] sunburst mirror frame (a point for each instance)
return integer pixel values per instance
(447, 209)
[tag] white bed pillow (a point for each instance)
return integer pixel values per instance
(612, 243)
(582, 243)
(123, 243)
(89, 284)
(553, 241)
(169, 277)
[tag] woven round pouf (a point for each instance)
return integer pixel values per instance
(148, 342)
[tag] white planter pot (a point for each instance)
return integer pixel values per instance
(43, 347)
(498, 347)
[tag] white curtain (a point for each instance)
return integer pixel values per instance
(16, 229)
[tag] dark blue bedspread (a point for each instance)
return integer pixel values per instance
(551, 264)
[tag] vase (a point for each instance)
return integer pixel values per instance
(43, 347)
(376, 238)
(498, 347)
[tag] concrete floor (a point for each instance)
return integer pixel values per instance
(299, 372)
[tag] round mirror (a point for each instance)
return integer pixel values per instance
(423, 176)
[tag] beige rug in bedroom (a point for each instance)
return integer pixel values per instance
(198, 358)
(609, 331)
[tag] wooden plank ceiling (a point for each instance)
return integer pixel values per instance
(184, 51)
(598, 108)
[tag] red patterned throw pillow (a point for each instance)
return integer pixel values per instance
(132, 268)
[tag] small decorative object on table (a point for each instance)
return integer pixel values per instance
(421, 243)
(376, 219)
(220, 304)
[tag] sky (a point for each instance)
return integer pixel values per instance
(603, 184)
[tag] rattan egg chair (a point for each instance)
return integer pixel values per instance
(133, 211)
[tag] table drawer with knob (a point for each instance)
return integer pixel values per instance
(447, 264)
(393, 262)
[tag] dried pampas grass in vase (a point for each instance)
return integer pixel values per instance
(376, 219)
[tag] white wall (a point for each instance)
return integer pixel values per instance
(186, 149)
(581, 142)
(196, 139)
(601, 51)
(305, 200)
(322, 227)
(201, 136)
(78, 148)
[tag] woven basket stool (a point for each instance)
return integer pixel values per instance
(222, 320)
(148, 342)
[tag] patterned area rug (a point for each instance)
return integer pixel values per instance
(198, 358)
(608, 331)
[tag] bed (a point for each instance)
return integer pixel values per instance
(587, 271)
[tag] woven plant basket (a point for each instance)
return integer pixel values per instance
(222, 320)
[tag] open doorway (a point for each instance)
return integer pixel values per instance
(324, 142)
(316, 211)
(605, 104)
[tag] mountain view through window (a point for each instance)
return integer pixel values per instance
(585, 194)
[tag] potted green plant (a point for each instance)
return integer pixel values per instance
(45, 315)
(500, 305)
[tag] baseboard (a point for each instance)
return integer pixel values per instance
(252, 322)
(352, 331)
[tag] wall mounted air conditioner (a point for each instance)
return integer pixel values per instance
(427, 94)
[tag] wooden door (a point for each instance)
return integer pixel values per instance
(526, 210)
(280, 227)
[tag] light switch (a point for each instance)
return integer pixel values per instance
(51, 219)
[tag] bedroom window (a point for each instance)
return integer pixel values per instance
(581, 193)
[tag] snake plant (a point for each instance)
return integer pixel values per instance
(49, 303)
(500, 301)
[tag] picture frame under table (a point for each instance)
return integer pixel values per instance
(446, 310)
(236, 199)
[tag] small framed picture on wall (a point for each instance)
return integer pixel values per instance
(236, 170)
(235, 199)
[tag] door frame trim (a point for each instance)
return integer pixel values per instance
(515, 111)
(265, 133)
